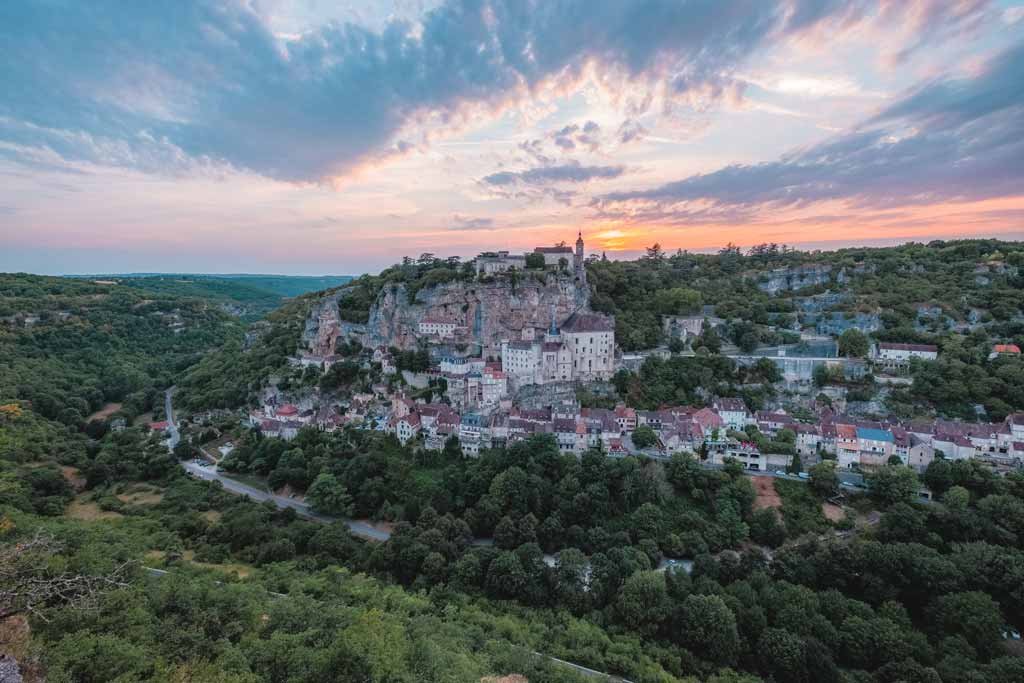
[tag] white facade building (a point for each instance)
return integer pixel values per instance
(902, 353)
(437, 326)
(584, 349)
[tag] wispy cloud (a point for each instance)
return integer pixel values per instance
(460, 223)
(108, 82)
(571, 172)
(951, 139)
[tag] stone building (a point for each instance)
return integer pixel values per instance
(582, 349)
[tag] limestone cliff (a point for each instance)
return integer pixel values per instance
(489, 311)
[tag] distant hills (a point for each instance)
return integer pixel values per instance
(247, 295)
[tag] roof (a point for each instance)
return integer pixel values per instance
(413, 419)
(961, 440)
(565, 425)
(561, 249)
(846, 431)
(448, 418)
(588, 322)
(158, 426)
(874, 434)
(708, 418)
(552, 347)
(781, 418)
(729, 404)
(521, 345)
(287, 409)
(1006, 348)
(536, 415)
(909, 347)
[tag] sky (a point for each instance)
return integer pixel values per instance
(318, 136)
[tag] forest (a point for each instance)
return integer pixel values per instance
(656, 571)
(71, 346)
(927, 594)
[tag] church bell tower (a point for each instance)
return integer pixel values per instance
(581, 272)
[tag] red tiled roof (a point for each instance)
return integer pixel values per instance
(1006, 348)
(158, 426)
(287, 409)
(706, 417)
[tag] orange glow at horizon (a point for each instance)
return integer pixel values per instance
(832, 222)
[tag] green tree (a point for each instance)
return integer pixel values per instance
(329, 496)
(642, 603)
(823, 479)
(853, 344)
(781, 654)
(957, 498)
(707, 626)
(766, 529)
(974, 615)
(894, 484)
(709, 339)
(644, 436)
(535, 260)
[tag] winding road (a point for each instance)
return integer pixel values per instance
(209, 473)
(172, 427)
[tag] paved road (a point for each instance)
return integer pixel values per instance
(209, 473)
(579, 668)
(172, 426)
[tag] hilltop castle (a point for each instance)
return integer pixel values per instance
(558, 256)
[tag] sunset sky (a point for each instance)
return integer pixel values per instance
(311, 136)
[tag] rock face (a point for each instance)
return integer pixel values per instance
(786, 279)
(324, 326)
(487, 312)
(10, 672)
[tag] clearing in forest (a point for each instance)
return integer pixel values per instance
(767, 496)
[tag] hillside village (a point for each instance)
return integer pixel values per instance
(446, 379)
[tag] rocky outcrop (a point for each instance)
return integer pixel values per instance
(797, 277)
(323, 326)
(10, 672)
(486, 312)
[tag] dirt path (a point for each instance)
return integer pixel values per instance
(833, 512)
(104, 412)
(767, 496)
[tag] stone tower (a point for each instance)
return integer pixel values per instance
(581, 272)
